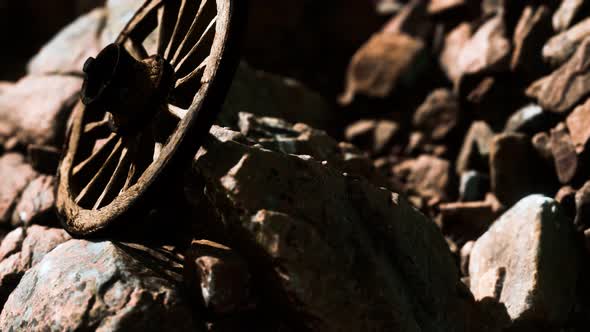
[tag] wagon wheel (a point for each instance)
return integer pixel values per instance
(148, 100)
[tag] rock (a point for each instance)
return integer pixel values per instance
(527, 260)
(43, 158)
(562, 46)
(565, 14)
(21, 250)
(119, 12)
(488, 49)
(101, 286)
(372, 135)
(578, 125)
(530, 119)
(475, 151)
(466, 221)
(511, 157)
(388, 7)
(438, 115)
(564, 153)
(532, 30)
(380, 64)
(218, 276)
(473, 186)
(37, 107)
(440, 6)
(336, 246)
(266, 94)
(566, 86)
(5, 85)
(301, 139)
(582, 200)
(428, 176)
(69, 49)
(453, 45)
(566, 197)
(542, 144)
(37, 203)
(14, 177)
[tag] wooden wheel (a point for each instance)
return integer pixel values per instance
(147, 102)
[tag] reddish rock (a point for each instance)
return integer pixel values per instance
(475, 152)
(428, 176)
(440, 6)
(532, 30)
(565, 87)
(23, 249)
(511, 157)
(37, 203)
(542, 144)
(83, 285)
(565, 14)
(582, 201)
(564, 153)
(218, 277)
(37, 107)
(15, 175)
(438, 115)
(69, 49)
(527, 260)
(487, 50)
(562, 46)
(465, 221)
(578, 125)
(372, 135)
(453, 45)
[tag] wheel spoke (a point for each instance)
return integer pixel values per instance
(136, 49)
(85, 196)
(167, 16)
(142, 24)
(141, 158)
(116, 180)
(207, 35)
(96, 130)
(184, 13)
(196, 73)
(203, 10)
(89, 166)
(157, 150)
(177, 111)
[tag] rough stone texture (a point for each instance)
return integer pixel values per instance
(266, 94)
(530, 120)
(511, 176)
(15, 175)
(454, 42)
(428, 176)
(438, 115)
(465, 221)
(564, 153)
(578, 124)
(301, 139)
(565, 14)
(338, 248)
(559, 48)
(372, 135)
(69, 49)
(566, 86)
(218, 277)
(532, 30)
(23, 249)
(36, 204)
(101, 286)
(36, 107)
(582, 200)
(475, 150)
(527, 260)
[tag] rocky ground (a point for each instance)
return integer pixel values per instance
(378, 166)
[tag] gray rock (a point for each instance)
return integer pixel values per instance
(100, 286)
(23, 249)
(69, 49)
(15, 175)
(528, 261)
(350, 255)
(36, 107)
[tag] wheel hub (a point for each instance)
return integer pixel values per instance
(131, 91)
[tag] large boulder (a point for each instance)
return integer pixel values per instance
(15, 175)
(333, 248)
(528, 261)
(99, 286)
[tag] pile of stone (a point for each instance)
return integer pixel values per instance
(457, 200)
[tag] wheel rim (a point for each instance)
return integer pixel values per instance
(112, 159)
